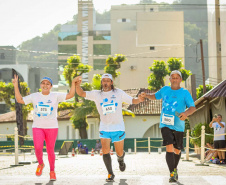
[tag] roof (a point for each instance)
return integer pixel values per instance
(11, 117)
(146, 107)
(218, 91)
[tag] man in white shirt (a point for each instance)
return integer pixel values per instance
(109, 105)
(219, 137)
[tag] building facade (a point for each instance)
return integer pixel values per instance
(216, 40)
(141, 32)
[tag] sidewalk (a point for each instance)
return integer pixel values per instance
(142, 169)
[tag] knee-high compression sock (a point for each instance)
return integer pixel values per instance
(107, 162)
(170, 160)
(121, 158)
(177, 159)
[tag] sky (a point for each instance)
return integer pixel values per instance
(22, 20)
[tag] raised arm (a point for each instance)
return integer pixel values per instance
(18, 96)
(72, 90)
(211, 123)
(79, 90)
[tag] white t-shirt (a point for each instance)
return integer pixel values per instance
(45, 108)
(218, 130)
(109, 106)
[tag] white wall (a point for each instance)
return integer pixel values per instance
(137, 127)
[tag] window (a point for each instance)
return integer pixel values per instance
(151, 9)
(152, 48)
(2, 56)
(99, 64)
(219, 21)
(67, 49)
(123, 19)
(102, 49)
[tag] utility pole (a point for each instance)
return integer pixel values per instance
(203, 67)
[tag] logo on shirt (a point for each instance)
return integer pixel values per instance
(49, 101)
(113, 96)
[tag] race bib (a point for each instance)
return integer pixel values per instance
(108, 108)
(168, 119)
(44, 109)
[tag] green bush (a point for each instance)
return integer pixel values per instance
(196, 132)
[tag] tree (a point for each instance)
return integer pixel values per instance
(199, 90)
(7, 94)
(73, 69)
(113, 64)
(156, 79)
(160, 69)
(82, 110)
(176, 64)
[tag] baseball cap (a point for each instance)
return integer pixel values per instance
(47, 78)
(176, 72)
(106, 76)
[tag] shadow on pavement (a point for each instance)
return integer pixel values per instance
(178, 183)
(122, 182)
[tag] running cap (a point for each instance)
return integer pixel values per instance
(84, 144)
(176, 72)
(47, 78)
(107, 76)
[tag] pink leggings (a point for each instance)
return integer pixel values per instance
(49, 135)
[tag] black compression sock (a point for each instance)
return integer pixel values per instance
(107, 162)
(170, 160)
(177, 159)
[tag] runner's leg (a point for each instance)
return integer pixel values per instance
(106, 154)
(38, 139)
(51, 135)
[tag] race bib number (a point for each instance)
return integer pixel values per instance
(108, 108)
(44, 109)
(168, 119)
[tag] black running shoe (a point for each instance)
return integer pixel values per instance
(122, 166)
(110, 178)
(176, 174)
(172, 177)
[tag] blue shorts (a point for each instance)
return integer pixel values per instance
(114, 136)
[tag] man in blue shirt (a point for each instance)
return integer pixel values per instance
(175, 100)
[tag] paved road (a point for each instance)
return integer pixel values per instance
(142, 169)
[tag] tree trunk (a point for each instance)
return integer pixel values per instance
(25, 126)
(83, 132)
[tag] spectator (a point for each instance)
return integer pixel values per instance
(97, 147)
(85, 150)
(210, 155)
(219, 138)
(79, 144)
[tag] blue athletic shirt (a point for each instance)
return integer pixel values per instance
(174, 101)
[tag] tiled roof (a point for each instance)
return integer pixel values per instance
(146, 107)
(217, 91)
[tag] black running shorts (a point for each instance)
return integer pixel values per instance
(219, 144)
(172, 137)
